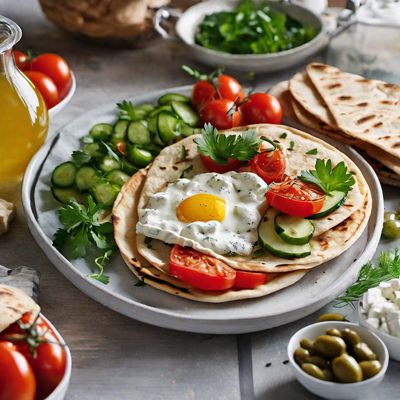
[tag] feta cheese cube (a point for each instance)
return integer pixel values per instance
(373, 322)
(395, 284)
(396, 298)
(372, 297)
(386, 290)
(375, 311)
(392, 319)
(388, 306)
(7, 213)
(384, 327)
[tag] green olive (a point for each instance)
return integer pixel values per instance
(328, 375)
(363, 352)
(331, 317)
(350, 337)
(389, 216)
(391, 229)
(330, 346)
(313, 370)
(300, 355)
(334, 332)
(317, 360)
(346, 369)
(308, 345)
(370, 368)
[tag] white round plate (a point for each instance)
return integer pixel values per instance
(61, 105)
(150, 305)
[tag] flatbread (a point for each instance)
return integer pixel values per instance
(169, 166)
(14, 303)
(362, 108)
(281, 92)
(124, 217)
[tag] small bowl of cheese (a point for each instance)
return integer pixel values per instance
(379, 311)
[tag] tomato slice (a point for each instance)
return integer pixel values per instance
(296, 198)
(199, 270)
(231, 165)
(250, 280)
(269, 165)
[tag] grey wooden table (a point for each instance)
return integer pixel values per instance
(116, 358)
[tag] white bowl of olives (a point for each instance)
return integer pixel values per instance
(338, 360)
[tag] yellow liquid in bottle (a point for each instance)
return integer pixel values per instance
(23, 125)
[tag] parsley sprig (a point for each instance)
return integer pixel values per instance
(84, 232)
(220, 147)
(127, 110)
(371, 276)
(328, 179)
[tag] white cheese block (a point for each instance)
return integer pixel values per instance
(388, 306)
(395, 284)
(386, 290)
(372, 297)
(375, 311)
(384, 327)
(392, 319)
(373, 322)
(7, 213)
(396, 298)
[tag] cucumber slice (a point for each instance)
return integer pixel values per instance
(119, 133)
(109, 163)
(153, 148)
(93, 150)
(294, 230)
(139, 157)
(170, 97)
(138, 133)
(64, 195)
(186, 113)
(273, 243)
(105, 193)
(101, 131)
(157, 110)
(167, 127)
(64, 175)
(152, 125)
(185, 130)
(86, 177)
(332, 202)
(144, 109)
(118, 177)
(127, 167)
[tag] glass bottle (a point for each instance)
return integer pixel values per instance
(23, 113)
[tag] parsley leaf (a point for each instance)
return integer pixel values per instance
(221, 147)
(328, 179)
(312, 152)
(108, 150)
(283, 135)
(79, 158)
(127, 110)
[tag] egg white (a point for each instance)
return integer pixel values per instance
(244, 194)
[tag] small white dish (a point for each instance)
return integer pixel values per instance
(392, 342)
(61, 105)
(334, 390)
(60, 391)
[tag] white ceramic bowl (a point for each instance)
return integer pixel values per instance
(61, 105)
(61, 390)
(334, 390)
(392, 342)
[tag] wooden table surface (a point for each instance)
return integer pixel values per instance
(114, 357)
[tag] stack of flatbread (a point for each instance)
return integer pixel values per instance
(346, 107)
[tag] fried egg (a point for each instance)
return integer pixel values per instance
(219, 212)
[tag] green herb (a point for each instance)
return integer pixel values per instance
(184, 153)
(186, 171)
(328, 179)
(283, 135)
(312, 152)
(108, 150)
(79, 158)
(140, 283)
(82, 233)
(291, 145)
(88, 139)
(371, 276)
(127, 110)
(199, 76)
(220, 147)
(231, 254)
(252, 28)
(258, 253)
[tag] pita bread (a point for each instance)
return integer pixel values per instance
(124, 217)
(14, 303)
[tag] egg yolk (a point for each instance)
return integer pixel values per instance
(201, 207)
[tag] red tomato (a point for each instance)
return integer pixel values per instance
(269, 165)
(199, 270)
(224, 87)
(21, 59)
(250, 280)
(121, 147)
(56, 68)
(16, 377)
(46, 87)
(294, 197)
(261, 108)
(222, 114)
(48, 362)
(231, 165)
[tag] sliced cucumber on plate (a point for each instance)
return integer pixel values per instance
(138, 133)
(101, 131)
(171, 97)
(64, 195)
(332, 202)
(86, 177)
(64, 174)
(293, 230)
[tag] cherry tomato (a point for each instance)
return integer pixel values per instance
(17, 381)
(224, 87)
(269, 165)
(46, 87)
(56, 68)
(261, 108)
(294, 197)
(22, 60)
(48, 362)
(231, 165)
(222, 114)
(199, 270)
(250, 280)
